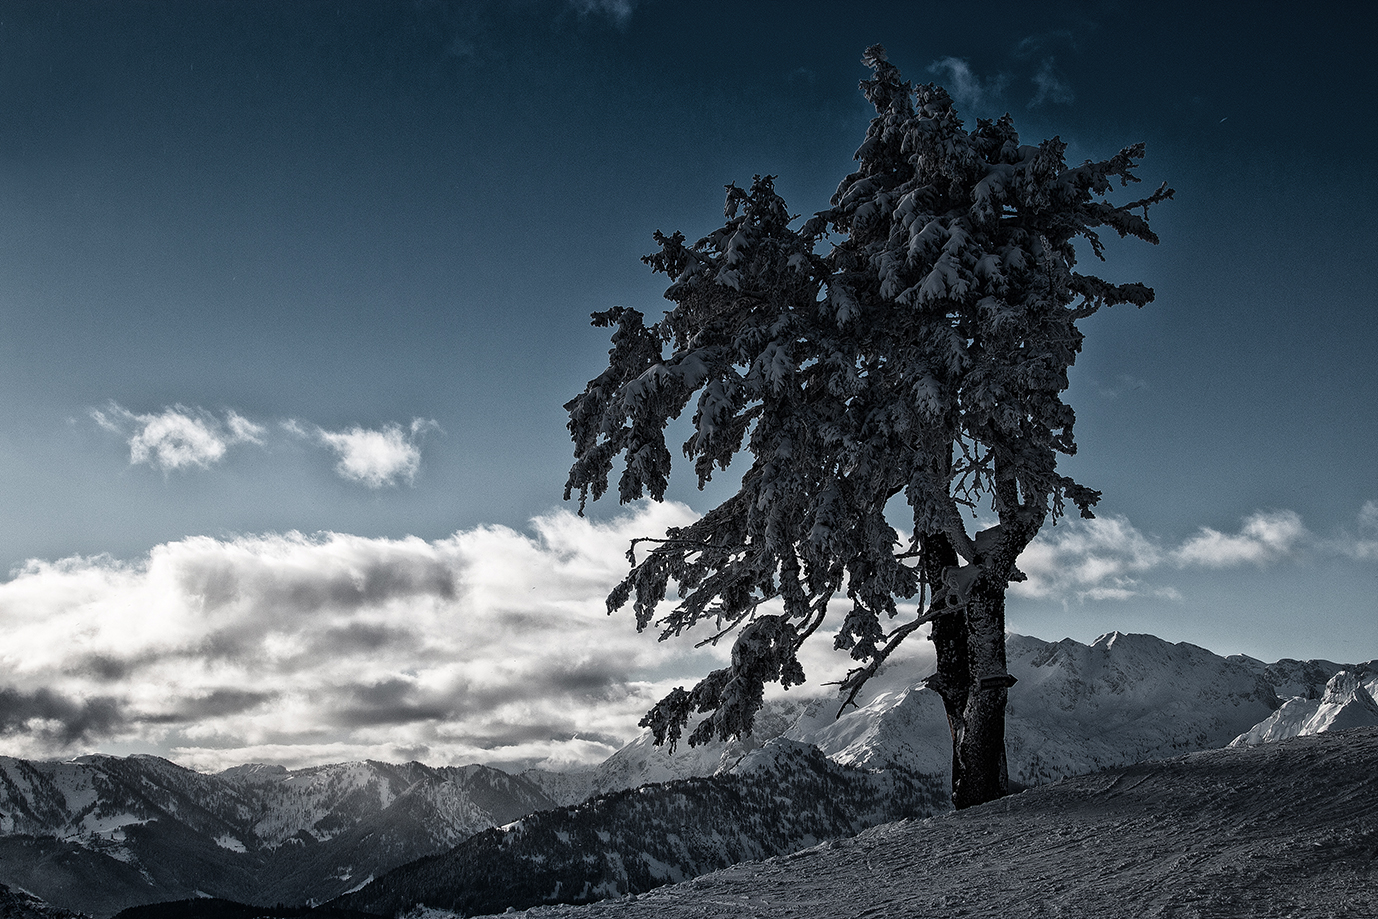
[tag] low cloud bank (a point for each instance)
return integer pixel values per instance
(491, 645)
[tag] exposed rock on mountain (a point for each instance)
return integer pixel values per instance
(1347, 703)
(1292, 678)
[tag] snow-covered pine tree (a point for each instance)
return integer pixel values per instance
(925, 355)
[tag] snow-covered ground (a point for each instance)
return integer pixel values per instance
(1286, 829)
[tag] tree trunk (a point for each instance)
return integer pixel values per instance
(979, 771)
(972, 681)
(952, 681)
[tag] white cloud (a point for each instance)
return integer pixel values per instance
(967, 89)
(183, 438)
(1368, 517)
(178, 437)
(1364, 546)
(376, 458)
(1087, 559)
(244, 430)
(1108, 558)
(1265, 537)
(491, 645)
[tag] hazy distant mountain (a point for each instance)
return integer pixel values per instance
(641, 762)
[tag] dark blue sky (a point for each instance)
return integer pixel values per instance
(373, 233)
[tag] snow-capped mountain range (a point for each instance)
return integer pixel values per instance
(1076, 708)
(1347, 703)
(101, 833)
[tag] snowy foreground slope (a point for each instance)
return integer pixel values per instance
(1278, 830)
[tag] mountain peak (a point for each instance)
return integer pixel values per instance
(1344, 687)
(1346, 703)
(1108, 639)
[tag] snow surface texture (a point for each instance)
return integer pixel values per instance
(1277, 830)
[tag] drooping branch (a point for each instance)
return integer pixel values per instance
(856, 679)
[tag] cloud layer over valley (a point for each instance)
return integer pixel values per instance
(491, 645)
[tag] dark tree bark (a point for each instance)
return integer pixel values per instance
(973, 681)
(952, 681)
(979, 768)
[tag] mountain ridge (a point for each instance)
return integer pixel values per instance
(147, 830)
(779, 798)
